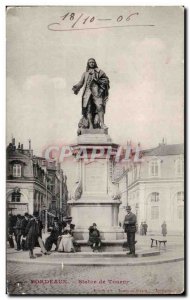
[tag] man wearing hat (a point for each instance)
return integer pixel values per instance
(33, 233)
(94, 237)
(18, 231)
(130, 229)
(24, 224)
(55, 232)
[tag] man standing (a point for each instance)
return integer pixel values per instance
(164, 228)
(145, 226)
(95, 94)
(10, 230)
(130, 229)
(141, 229)
(33, 233)
(18, 231)
(24, 225)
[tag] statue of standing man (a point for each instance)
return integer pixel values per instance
(94, 97)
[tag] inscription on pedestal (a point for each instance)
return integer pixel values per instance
(95, 178)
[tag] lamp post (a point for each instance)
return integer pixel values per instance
(127, 186)
(45, 206)
(46, 223)
(61, 194)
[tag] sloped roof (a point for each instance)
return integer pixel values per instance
(164, 150)
(16, 155)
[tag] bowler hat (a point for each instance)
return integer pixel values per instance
(94, 224)
(36, 214)
(67, 219)
(128, 207)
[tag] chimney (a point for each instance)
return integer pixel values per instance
(19, 145)
(13, 141)
(30, 149)
(29, 144)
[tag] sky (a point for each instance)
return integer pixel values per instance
(144, 64)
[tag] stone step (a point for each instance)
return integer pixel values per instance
(107, 245)
(140, 253)
(108, 242)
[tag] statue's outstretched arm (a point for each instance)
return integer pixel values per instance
(76, 88)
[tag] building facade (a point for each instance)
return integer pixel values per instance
(33, 183)
(156, 188)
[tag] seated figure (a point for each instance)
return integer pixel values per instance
(94, 238)
(55, 231)
(66, 242)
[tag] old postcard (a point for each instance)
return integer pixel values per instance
(95, 150)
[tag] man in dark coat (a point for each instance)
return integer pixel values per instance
(55, 233)
(141, 229)
(10, 230)
(94, 237)
(33, 232)
(164, 228)
(95, 94)
(145, 226)
(130, 229)
(24, 225)
(18, 229)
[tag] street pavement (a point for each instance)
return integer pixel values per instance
(46, 279)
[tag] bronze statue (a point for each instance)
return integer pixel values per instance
(94, 97)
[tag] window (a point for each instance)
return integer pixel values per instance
(180, 197)
(180, 205)
(17, 170)
(154, 212)
(154, 197)
(16, 197)
(154, 168)
(179, 166)
(180, 212)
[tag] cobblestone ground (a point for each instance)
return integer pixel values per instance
(151, 279)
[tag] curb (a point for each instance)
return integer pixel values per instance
(113, 263)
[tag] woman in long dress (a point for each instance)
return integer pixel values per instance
(66, 242)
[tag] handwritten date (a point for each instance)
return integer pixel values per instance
(72, 21)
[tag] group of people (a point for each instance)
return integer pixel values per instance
(61, 235)
(27, 230)
(16, 228)
(144, 227)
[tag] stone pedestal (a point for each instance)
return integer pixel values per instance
(96, 197)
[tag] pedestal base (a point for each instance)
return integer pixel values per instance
(102, 212)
